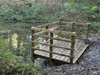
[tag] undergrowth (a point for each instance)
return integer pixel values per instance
(12, 64)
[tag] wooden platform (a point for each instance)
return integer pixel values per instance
(79, 49)
(63, 47)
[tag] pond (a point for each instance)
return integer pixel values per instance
(18, 37)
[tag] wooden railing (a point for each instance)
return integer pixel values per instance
(49, 37)
(75, 26)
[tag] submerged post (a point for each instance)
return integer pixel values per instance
(33, 38)
(72, 51)
(51, 47)
(87, 40)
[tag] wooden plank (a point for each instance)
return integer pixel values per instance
(75, 23)
(78, 33)
(80, 53)
(65, 52)
(70, 37)
(77, 46)
(46, 32)
(39, 39)
(56, 50)
(52, 45)
(51, 52)
(46, 54)
(54, 31)
(52, 38)
(40, 44)
(81, 28)
(39, 33)
(48, 24)
(68, 53)
(58, 56)
(66, 22)
(68, 59)
(82, 23)
(65, 27)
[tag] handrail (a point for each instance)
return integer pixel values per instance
(52, 38)
(48, 24)
(44, 31)
(52, 45)
(75, 23)
(54, 31)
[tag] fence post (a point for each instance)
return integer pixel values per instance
(72, 51)
(72, 27)
(58, 30)
(87, 40)
(33, 38)
(47, 33)
(51, 48)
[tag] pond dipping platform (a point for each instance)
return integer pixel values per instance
(62, 42)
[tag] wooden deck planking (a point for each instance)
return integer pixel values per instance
(76, 49)
(57, 50)
(46, 54)
(65, 52)
(68, 59)
(80, 53)
(62, 51)
(79, 49)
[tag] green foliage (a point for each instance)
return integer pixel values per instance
(89, 11)
(99, 32)
(35, 11)
(62, 38)
(12, 64)
(6, 12)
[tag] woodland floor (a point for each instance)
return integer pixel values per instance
(88, 64)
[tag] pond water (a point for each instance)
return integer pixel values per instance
(18, 36)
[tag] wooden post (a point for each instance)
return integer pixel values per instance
(72, 47)
(58, 30)
(47, 32)
(87, 40)
(51, 48)
(72, 44)
(33, 38)
(72, 27)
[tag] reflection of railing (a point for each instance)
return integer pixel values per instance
(50, 30)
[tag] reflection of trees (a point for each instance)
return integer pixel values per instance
(23, 32)
(6, 37)
(10, 41)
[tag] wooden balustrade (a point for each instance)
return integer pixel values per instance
(49, 37)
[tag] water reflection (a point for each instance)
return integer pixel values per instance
(18, 36)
